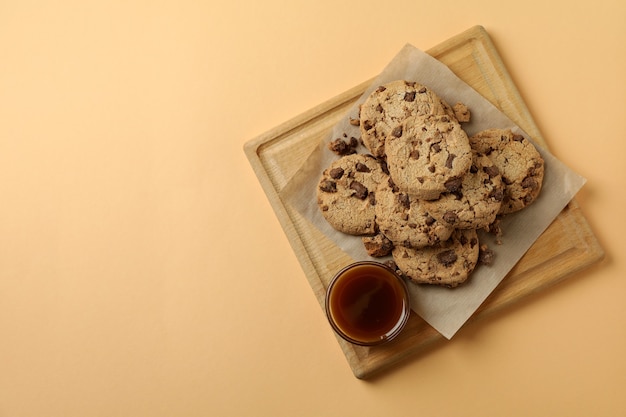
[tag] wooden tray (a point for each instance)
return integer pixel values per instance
(568, 245)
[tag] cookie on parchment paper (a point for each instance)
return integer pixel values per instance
(428, 155)
(477, 201)
(403, 219)
(520, 165)
(346, 193)
(448, 263)
(390, 104)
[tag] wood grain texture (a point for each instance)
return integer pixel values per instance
(566, 246)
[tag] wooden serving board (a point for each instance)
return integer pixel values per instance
(567, 246)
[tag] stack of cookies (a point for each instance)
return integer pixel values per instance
(424, 188)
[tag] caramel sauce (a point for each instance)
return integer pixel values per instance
(367, 303)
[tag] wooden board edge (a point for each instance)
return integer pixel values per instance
(360, 368)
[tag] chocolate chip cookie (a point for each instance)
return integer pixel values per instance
(346, 193)
(428, 155)
(390, 104)
(477, 201)
(520, 165)
(403, 219)
(448, 263)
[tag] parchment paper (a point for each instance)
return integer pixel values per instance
(443, 308)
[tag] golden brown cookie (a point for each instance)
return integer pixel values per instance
(477, 201)
(404, 221)
(428, 155)
(448, 263)
(389, 105)
(519, 163)
(346, 193)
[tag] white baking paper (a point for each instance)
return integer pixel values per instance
(443, 308)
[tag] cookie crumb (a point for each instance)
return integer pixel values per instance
(391, 264)
(461, 112)
(485, 255)
(342, 147)
(496, 230)
(377, 246)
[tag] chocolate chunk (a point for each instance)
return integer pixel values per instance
(447, 257)
(432, 168)
(367, 124)
(381, 89)
(379, 108)
(450, 217)
(518, 138)
(404, 200)
(453, 185)
(491, 170)
(328, 186)
(435, 147)
(497, 194)
(336, 173)
(449, 160)
(392, 185)
(409, 96)
(430, 220)
(397, 131)
(371, 198)
(383, 165)
(530, 182)
(361, 167)
(415, 154)
(341, 147)
(360, 191)
(422, 90)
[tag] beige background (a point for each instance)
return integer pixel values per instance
(144, 273)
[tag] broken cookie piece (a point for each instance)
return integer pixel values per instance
(461, 112)
(448, 263)
(344, 146)
(377, 246)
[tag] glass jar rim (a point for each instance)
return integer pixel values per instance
(398, 326)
